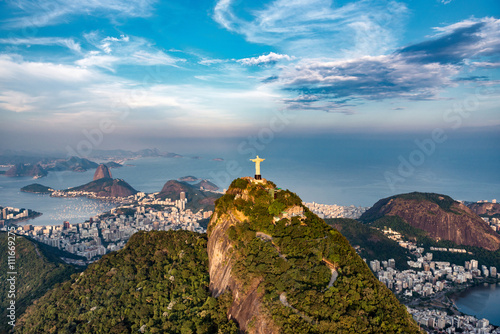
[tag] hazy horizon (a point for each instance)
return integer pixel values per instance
(364, 84)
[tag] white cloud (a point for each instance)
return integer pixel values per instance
(18, 101)
(14, 69)
(129, 50)
(486, 64)
(41, 13)
(366, 27)
(104, 61)
(264, 59)
(65, 42)
(208, 62)
(73, 96)
(156, 58)
(106, 42)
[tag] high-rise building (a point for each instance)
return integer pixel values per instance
(375, 265)
(493, 272)
(66, 225)
(392, 263)
(474, 264)
(183, 195)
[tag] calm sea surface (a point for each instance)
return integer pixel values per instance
(332, 170)
(482, 302)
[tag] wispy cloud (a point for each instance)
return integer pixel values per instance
(65, 42)
(364, 27)
(40, 13)
(134, 50)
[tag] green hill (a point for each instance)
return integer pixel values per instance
(157, 284)
(196, 199)
(37, 272)
(374, 245)
(37, 188)
(290, 272)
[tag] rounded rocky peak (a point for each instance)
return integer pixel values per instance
(102, 172)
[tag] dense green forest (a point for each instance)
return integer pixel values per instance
(374, 245)
(38, 270)
(292, 261)
(157, 284)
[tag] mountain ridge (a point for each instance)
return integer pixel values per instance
(439, 215)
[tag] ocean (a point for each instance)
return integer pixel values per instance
(330, 169)
(482, 301)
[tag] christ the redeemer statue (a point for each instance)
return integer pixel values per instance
(257, 167)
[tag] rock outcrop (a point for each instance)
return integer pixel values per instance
(206, 185)
(440, 216)
(485, 209)
(102, 172)
(18, 170)
(289, 272)
(107, 187)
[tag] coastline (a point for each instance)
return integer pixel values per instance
(446, 300)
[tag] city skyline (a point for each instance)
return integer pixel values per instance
(150, 70)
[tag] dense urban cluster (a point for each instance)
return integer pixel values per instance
(110, 231)
(439, 322)
(93, 195)
(493, 222)
(335, 211)
(11, 214)
(429, 278)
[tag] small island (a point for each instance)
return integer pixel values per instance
(37, 188)
(113, 164)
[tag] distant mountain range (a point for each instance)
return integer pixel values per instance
(43, 166)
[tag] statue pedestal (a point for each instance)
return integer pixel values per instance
(258, 179)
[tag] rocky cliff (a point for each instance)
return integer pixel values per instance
(102, 172)
(438, 215)
(289, 272)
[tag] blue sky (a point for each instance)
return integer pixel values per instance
(152, 70)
